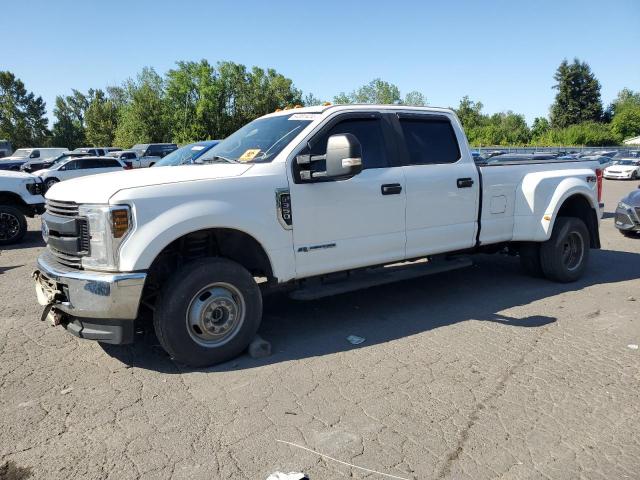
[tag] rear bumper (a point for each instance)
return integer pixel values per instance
(94, 305)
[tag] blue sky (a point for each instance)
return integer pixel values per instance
(503, 53)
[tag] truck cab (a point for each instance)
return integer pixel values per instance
(315, 201)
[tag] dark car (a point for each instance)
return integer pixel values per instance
(154, 149)
(627, 218)
(187, 154)
(35, 165)
(96, 151)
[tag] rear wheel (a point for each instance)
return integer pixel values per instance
(13, 225)
(208, 312)
(564, 256)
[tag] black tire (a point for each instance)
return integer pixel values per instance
(50, 182)
(565, 255)
(186, 291)
(530, 259)
(13, 225)
(634, 175)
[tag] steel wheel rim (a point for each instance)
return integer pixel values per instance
(215, 314)
(572, 251)
(9, 226)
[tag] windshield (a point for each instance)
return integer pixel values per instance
(182, 155)
(258, 141)
(22, 153)
(627, 162)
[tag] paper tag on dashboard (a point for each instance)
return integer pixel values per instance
(249, 155)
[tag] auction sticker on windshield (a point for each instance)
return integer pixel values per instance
(304, 116)
(249, 155)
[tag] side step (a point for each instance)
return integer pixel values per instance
(373, 277)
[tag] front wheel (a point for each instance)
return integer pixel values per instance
(208, 312)
(565, 255)
(50, 182)
(13, 225)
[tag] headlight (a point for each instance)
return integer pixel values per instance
(108, 227)
(624, 206)
(34, 188)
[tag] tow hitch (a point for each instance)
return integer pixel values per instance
(48, 295)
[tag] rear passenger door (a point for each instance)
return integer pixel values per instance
(442, 186)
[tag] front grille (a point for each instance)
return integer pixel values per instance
(69, 236)
(66, 259)
(64, 209)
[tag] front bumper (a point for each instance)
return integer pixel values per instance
(617, 176)
(627, 219)
(94, 305)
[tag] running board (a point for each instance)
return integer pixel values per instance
(373, 277)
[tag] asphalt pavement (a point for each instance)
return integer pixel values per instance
(479, 373)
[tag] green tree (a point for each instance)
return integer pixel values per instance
(578, 98)
(625, 113)
(143, 118)
(376, 91)
(592, 134)
(415, 98)
(540, 127)
(470, 113)
(310, 100)
(69, 112)
(22, 114)
(101, 120)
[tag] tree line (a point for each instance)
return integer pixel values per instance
(198, 100)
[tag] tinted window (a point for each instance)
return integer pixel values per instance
(128, 155)
(73, 165)
(430, 141)
(369, 133)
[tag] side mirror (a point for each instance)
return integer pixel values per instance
(344, 156)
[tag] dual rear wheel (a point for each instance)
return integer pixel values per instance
(562, 258)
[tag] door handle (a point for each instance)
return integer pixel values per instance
(391, 189)
(465, 182)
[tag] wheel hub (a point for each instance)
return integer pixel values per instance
(215, 314)
(9, 226)
(573, 251)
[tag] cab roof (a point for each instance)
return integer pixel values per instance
(318, 109)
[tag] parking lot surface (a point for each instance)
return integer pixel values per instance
(474, 374)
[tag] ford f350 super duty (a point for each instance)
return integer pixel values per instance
(317, 200)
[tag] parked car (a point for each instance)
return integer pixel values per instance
(78, 167)
(128, 157)
(628, 168)
(604, 160)
(627, 218)
(5, 148)
(23, 155)
(40, 164)
(187, 154)
(20, 197)
(294, 198)
(96, 151)
(154, 150)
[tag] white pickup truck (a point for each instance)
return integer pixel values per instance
(318, 200)
(20, 197)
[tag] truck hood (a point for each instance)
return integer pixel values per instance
(12, 174)
(100, 188)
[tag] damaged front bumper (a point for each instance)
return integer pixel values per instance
(93, 305)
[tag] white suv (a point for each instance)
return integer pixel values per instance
(78, 167)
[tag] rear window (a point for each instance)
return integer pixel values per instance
(430, 140)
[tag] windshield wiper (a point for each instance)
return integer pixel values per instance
(217, 158)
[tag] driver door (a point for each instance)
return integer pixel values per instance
(344, 224)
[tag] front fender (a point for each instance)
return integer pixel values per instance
(159, 222)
